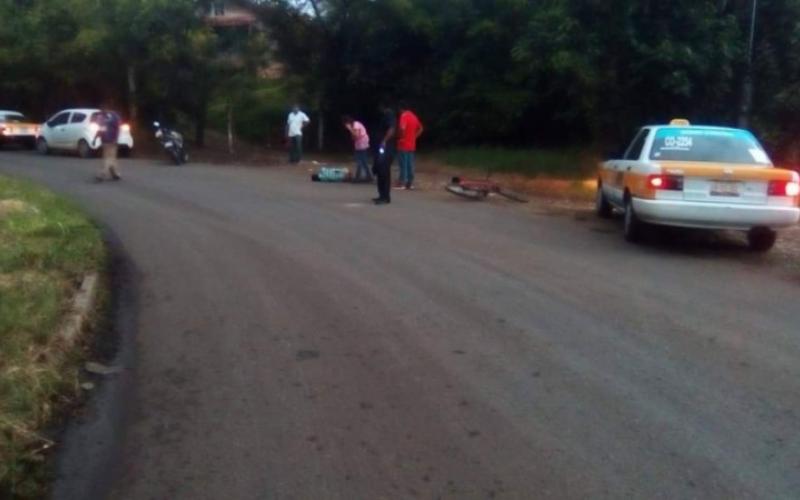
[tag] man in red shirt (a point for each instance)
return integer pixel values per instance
(409, 129)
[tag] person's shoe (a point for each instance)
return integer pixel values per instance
(99, 178)
(116, 177)
(399, 187)
(381, 201)
(411, 187)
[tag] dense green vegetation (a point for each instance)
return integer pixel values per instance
(562, 163)
(555, 72)
(151, 59)
(46, 247)
(481, 72)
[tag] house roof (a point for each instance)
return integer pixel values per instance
(236, 14)
(232, 20)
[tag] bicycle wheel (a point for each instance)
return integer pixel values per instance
(512, 195)
(472, 194)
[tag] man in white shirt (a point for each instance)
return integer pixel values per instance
(295, 124)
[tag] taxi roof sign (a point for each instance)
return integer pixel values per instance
(680, 122)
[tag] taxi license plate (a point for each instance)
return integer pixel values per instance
(724, 188)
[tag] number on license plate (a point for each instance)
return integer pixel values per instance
(724, 188)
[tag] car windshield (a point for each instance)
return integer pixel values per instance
(707, 145)
(12, 118)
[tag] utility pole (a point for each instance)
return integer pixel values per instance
(747, 87)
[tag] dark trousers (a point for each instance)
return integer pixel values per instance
(295, 148)
(383, 171)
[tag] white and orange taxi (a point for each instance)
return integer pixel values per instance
(699, 177)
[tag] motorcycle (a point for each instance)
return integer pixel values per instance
(172, 142)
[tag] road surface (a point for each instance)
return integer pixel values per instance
(285, 339)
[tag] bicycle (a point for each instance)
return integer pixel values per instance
(475, 189)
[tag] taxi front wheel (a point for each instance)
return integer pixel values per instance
(761, 239)
(632, 227)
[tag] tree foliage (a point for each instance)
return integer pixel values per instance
(547, 72)
(505, 72)
(153, 56)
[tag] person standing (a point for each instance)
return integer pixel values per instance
(384, 156)
(109, 123)
(408, 131)
(361, 144)
(295, 124)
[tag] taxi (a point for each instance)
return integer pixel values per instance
(15, 128)
(699, 176)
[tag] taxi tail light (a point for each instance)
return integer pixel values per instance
(666, 182)
(784, 188)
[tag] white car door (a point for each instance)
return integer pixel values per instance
(55, 129)
(74, 130)
(619, 168)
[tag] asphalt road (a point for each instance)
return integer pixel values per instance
(283, 339)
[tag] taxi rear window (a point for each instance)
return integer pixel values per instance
(707, 145)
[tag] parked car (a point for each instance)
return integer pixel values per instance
(699, 177)
(15, 128)
(76, 130)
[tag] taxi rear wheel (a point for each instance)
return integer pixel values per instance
(632, 227)
(602, 206)
(761, 239)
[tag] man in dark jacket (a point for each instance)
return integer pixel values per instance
(384, 155)
(109, 124)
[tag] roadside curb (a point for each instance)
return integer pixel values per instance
(82, 306)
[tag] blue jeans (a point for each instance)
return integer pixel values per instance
(362, 166)
(406, 161)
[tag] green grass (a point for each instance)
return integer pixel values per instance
(556, 164)
(46, 246)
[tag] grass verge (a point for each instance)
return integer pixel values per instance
(46, 247)
(566, 164)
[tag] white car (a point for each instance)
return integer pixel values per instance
(76, 130)
(15, 128)
(699, 177)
